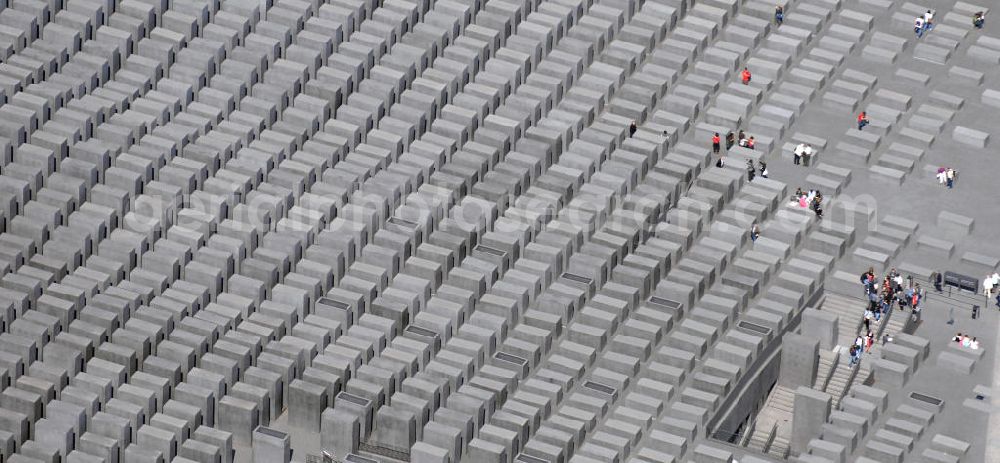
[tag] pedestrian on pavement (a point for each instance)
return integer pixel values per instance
(745, 76)
(918, 26)
(754, 232)
(716, 142)
(797, 153)
(763, 169)
(751, 170)
(779, 14)
(979, 19)
(632, 128)
(928, 20)
(863, 120)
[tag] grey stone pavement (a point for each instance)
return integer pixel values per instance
(921, 199)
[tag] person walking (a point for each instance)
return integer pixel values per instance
(763, 169)
(779, 14)
(754, 232)
(928, 20)
(950, 175)
(863, 120)
(979, 19)
(751, 170)
(730, 140)
(918, 26)
(716, 142)
(745, 76)
(632, 128)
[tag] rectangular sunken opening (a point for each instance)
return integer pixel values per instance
(505, 357)
(753, 328)
(423, 332)
(354, 399)
(662, 302)
(271, 432)
(491, 251)
(402, 222)
(926, 399)
(577, 278)
(602, 388)
(334, 303)
(523, 458)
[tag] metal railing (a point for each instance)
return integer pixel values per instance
(771, 435)
(745, 439)
(389, 452)
(833, 369)
(850, 380)
(324, 458)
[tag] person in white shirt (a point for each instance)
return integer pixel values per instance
(928, 18)
(918, 26)
(799, 151)
(974, 344)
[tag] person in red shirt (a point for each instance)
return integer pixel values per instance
(745, 75)
(716, 141)
(751, 143)
(862, 120)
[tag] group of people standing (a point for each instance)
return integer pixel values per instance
(744, 141)
(946, 176)
(923, 23)
(991, 287)
(813, 199)
(966, 341)
(893, 289)
(753, 168)
(861, 345)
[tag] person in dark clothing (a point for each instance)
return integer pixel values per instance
(632, 128)
(763, 169)
(751, 170)
(779, 14)
(730, 140)
(979, 19)
(936, 278)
